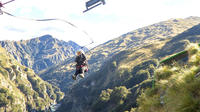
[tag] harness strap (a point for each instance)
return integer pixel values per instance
(80, 66)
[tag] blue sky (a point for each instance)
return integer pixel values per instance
(102, 23)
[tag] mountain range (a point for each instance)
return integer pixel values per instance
(42, 52)
(60, 75)
(118, 69)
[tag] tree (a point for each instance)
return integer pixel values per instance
(105, 95)
(119, 94)
(5, 98)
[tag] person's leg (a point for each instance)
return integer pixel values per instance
(76, 73)
(82, 72)
(86, 69)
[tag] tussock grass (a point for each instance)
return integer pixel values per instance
(192, 48)
(194, 52)
(150, 101)
(177, 89)
(163, 72)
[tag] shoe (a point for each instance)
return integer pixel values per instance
(74, 77)
(86, 70)
(82, 75)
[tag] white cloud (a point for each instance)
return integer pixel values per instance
(102, 23)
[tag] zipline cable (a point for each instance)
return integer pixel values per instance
(54, 19)
(7, 2)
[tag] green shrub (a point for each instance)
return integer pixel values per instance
(149, 101)
(14, 67)
(164, 73)
(119, 94)
(186, 94)
(105, 95)
(178, 92)
(5, 97)
(26, 90)
(35, 95)
(40, 104)
(132, 110)
(26, 69)
(59, 96)
(16, 108)
(195, 60)
(3, 72)
(193, 49)
(114, 64)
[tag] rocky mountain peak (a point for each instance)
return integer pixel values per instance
(46, 38)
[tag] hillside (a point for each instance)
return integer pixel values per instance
(176, 88)
(115, 76)
(60, 75)
(21, 90)
(190, 35)
(116, 86)
(40, 53)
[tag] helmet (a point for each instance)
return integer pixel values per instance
(79, 52)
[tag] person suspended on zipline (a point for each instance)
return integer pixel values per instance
(81, 64)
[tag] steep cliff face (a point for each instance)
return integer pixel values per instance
(21, 90)
(40, 53)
